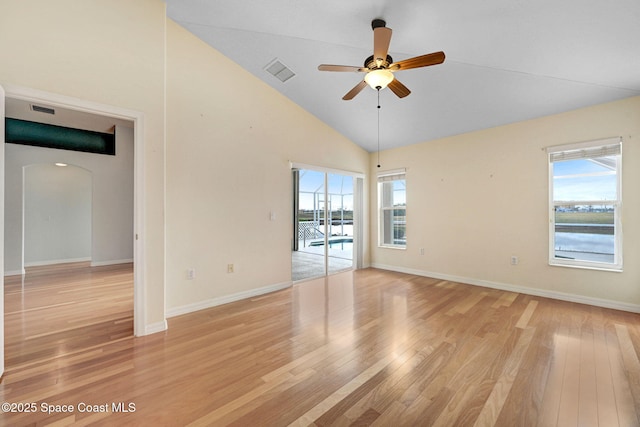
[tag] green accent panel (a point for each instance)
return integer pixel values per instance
(50, 136)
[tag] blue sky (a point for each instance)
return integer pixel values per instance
(583, 180)
(312, 181)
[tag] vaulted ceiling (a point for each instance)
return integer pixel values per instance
(506, 60)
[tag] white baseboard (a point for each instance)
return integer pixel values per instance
(598, 302)
(15, 273)
(201, 305)
(55, 261)
(67, 261)
(111, 262)
(155, 327)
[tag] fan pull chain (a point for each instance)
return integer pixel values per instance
(378, 125)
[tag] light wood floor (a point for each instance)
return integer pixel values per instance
(53, 311)
(360, 348)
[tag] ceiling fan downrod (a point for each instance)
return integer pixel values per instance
(378, 126)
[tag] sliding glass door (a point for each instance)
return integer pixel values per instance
(308, 257)
(340, 222)
(323, 226)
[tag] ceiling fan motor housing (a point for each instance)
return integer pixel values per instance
(377, 23)
(371, 64)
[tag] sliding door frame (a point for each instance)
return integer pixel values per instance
(358, 205)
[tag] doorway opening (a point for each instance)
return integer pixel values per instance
(134, 121)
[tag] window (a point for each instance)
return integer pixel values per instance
(392, 200)
(585, 205)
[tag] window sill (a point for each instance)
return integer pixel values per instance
(401, 248)
(596, 267)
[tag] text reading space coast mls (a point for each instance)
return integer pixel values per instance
(82, 407)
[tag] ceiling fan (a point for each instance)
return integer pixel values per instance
(380, 66)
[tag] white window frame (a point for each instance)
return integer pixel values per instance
(585, 150)
(385, 177)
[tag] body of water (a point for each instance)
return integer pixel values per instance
(583, 242)
(585, 247)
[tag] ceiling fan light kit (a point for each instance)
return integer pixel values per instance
(379, 79)
(379, 67)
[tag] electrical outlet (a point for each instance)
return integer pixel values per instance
(230, 268)
(514, 260)
(191, 273)
(421, 251)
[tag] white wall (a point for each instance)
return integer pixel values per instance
(109, 52)
(57, 214)
(112, 204)
(474, 200)
(230, 138)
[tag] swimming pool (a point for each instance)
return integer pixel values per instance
(340, 243)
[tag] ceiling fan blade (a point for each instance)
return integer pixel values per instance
(356, 90)
(399, 89)
(381, 40)
(418, 61)
(344, 68)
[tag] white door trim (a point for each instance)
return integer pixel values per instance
(2, 95)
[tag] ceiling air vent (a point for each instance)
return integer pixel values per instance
(41, 109)
(279, 70)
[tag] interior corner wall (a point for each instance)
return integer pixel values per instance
(230, 138)
(112, 204)
(109, 52)
(475, 200)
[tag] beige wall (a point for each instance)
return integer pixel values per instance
(475, 200)
(109, 52)
(230, 138)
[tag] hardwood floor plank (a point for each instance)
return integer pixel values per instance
(469, 380)
(587, 411)
(337, 396)
(523, 405)
(493, 405)
(505, 300)
(558, 362)
(526, 315)
(631, 364)
(622, 392)
(384, 385)
(465, 305)
(247, 402)
(314, 356)
(606, 401)
(390, 416)
(451, 386)
(366, 419)
(570, 392)
(397, 387)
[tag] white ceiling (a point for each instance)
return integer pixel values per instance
(507, 60)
